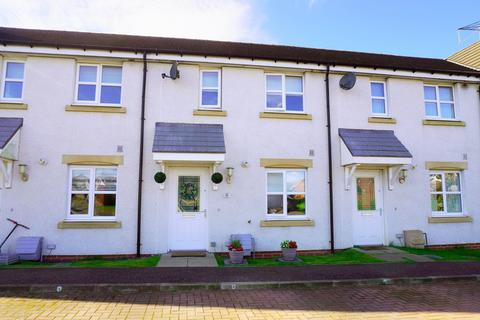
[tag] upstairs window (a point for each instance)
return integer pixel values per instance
(446, 193)
(92, 193)
(284, 93)
(210, 89)
(439, 102)
(13, 78)
(378, 96)
(97, 84)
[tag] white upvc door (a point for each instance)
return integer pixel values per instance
(368, 218)
(188, 229)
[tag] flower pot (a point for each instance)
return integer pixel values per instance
(236, 257)
(289, 254)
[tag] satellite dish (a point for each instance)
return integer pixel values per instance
(174, 73)
(347, 82)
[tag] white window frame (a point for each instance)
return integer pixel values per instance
(444, 193)
(438, 102)
(98, 85)
(91, 194)
(284, 193)
(4, 80)
(218, 88)
(384, 98)
(284, 93)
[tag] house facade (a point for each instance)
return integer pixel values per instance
(77, 108)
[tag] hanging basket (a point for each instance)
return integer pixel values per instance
(160, 177)
(217, 177)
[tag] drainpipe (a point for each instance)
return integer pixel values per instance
(330, 160)
(140, 161)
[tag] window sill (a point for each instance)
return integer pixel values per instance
(89, 225)
(387, 120)
(460, 219)
(210, 113)
(95, 108)
(451, 123)
(4, 105)
(286, 115)
(287, 223)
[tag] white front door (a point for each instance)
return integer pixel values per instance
(188, 211)
(368, 220)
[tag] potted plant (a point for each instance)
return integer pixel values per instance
(289, 250)
(235, 251)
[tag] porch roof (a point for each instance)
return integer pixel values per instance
(360, 146)
(8, 128)
(188, 142)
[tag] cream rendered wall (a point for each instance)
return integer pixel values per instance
(247, 138)
(408, 205)
(49, 132)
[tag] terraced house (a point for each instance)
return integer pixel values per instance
(116, 144)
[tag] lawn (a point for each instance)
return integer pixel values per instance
(90, 263)
(349, 256)
(454, 254)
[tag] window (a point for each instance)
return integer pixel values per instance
(379, 101)
(446, 193)
(284, 93)
(210, 89)
(286, 193)
(439, 102)
(13, 78)
(99, 84)
(366, 194)
(92, 193)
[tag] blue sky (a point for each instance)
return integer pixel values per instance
(406, 27)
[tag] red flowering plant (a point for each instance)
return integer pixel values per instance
(235, 245)
(288, 244)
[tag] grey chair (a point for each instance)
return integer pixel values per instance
(248, 243)
(29, 248)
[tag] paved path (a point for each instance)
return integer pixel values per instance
(459, 300)
(154, 275)
(390, 254)
(166, 260)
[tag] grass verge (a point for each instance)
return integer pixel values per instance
(90, 263)
(349, 256)
(454, 254)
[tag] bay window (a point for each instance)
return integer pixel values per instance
(286, 193)
(92, 193)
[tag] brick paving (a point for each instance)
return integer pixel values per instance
(446, 300)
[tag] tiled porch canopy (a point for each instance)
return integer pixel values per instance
(372, 148)
(188, 142)
(9, 147)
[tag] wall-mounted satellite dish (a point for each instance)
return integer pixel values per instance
(174, 73)
(347, 82)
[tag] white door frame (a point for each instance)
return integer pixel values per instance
(175, 221)
(379, 212)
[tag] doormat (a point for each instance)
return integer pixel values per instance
(178, 254)
(295, 260)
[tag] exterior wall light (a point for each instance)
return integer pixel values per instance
(402, 177)
(22, 169)
(229, 174)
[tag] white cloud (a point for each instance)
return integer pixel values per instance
(233, 20)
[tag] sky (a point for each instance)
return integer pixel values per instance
(426, 28)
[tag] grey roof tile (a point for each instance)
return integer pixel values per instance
(8, 128)
(373, 143)
(188, 137)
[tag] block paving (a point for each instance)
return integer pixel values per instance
(445, 300)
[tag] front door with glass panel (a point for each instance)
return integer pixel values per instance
(368, 223)
(188, 211)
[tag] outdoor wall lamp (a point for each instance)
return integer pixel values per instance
(402, 176)
(22, 169)
(229, 174)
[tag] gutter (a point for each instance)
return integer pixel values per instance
(140, 161)
(330, 160)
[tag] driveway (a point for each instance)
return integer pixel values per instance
(446, 300)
